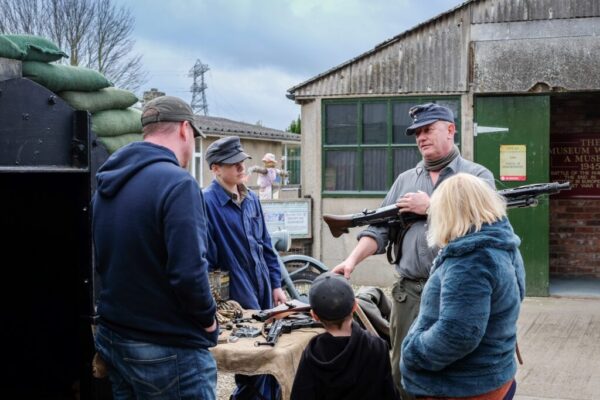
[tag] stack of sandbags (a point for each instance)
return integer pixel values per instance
(113, 120)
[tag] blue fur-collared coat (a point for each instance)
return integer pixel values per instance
(463, 342)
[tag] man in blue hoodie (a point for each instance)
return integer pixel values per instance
(157, 315)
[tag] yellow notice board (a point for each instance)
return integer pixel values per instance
(513, 162)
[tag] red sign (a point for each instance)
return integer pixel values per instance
(576, 158)
(513, 178)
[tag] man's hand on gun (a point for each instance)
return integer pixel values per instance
(415, 202)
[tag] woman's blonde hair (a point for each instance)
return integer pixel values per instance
(461, 203)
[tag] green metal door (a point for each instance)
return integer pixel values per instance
(523, 120)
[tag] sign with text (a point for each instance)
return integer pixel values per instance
(513, 162)
(291, 215)
(576, 158)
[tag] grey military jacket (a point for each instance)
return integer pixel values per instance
(417, 256)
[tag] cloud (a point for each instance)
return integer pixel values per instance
(257, 49)
(241, 93)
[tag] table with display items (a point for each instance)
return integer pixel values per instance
(281, 361)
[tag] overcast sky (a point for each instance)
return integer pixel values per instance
(257, 49)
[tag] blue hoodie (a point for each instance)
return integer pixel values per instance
(463, 341)
(149, 228)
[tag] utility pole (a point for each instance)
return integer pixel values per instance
(198, 89)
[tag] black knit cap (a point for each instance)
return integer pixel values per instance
(331, 297)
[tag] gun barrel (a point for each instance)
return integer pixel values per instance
(535, 189)
(520, 196)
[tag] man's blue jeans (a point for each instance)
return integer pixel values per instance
(139, 370)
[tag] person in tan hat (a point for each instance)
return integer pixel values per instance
(267, 176)
(149, 229)
(241, 245)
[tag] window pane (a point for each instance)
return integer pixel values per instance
(294, 165)
(405, 158)
(340, 170)
(401, 121)
(375, 123)
(341, 124)
(374, 169)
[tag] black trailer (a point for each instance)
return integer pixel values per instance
(48, 157)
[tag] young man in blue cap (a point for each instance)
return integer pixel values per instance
(346, 362)
(241, 245)
(157, 317)
(434, 130)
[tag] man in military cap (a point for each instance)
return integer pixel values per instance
(149, 229)
(434, 130)
(241, 245)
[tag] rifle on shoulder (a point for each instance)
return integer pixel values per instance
(517, 197)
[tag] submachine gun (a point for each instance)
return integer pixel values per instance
(517, 197)
(281, 326)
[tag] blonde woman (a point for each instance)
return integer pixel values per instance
(462, 344)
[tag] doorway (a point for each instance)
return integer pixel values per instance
(574, 235)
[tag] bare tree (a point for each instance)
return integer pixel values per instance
(110, 45)
(25, 16)
(95, 33)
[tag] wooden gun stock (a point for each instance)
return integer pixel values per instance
(339, 224)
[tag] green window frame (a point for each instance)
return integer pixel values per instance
(364, 147)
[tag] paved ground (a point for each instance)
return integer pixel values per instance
(559, 340)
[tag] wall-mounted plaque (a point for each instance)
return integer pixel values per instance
(576, 158)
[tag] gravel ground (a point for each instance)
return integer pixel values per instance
(225, 382)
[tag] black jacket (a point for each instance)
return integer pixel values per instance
(354, 367)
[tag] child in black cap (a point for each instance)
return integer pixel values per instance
(346, 362)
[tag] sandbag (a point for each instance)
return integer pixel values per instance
(104, 99)
(36, 48)
(117, 122)
(59, 78)
(113, 143)
(10, 50)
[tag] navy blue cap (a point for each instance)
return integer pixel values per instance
(331, 297)
(426, 114)
(227, 150)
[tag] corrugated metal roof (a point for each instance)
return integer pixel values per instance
(377, 49)
(226, 127)
(432, 56)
